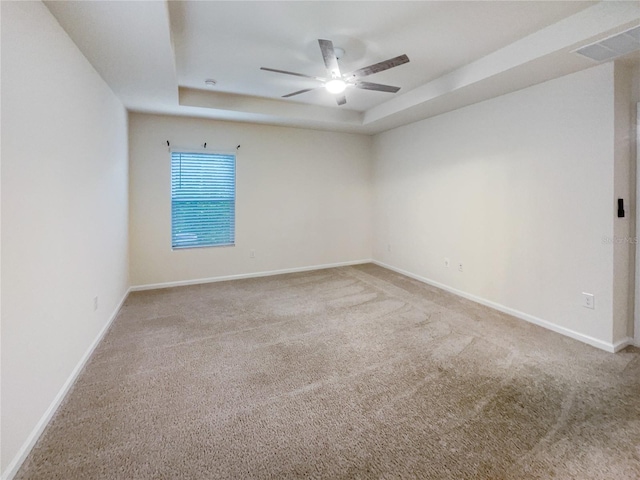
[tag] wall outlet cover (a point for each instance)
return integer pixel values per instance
(588, 300)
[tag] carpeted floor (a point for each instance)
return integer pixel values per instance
(354, 372)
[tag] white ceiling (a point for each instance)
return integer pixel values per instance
(156, 55)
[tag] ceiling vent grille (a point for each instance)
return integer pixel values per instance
(612, 47)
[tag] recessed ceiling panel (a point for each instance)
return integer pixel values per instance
(230, 41)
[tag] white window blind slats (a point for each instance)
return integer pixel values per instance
(203, 190)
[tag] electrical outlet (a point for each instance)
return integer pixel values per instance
(588, 300)
(446, 262)
(460, 267)
(95, 303)
(252, 254)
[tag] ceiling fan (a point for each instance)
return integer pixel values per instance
(336, 82)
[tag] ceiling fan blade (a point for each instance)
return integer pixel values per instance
(330, 59)
(380, 67)
(291, 73)
(298, 92)
(377, 87)
(341, 99)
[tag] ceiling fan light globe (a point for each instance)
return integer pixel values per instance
(335, 86)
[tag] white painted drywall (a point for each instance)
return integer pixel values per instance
(303, 198)
(519, 189)
(64, 214)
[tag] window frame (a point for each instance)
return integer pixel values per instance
(173, 151)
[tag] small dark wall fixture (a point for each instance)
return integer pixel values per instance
(620, 208)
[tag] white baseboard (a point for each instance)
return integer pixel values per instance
(609, 347)
(625, 342)
(197, 281)
(33, 437)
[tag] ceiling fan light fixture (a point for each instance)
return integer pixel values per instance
(336, 82)
(335, 86)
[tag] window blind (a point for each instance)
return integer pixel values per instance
(203, 199)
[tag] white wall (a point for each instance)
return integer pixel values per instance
(303, 198)
(520, 189)
(64, 215)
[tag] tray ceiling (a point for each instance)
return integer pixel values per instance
(157, 55)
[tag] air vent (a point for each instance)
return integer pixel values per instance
(612, 47)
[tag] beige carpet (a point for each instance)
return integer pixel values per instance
(354, 372)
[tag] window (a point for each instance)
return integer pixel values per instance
(203, 199)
